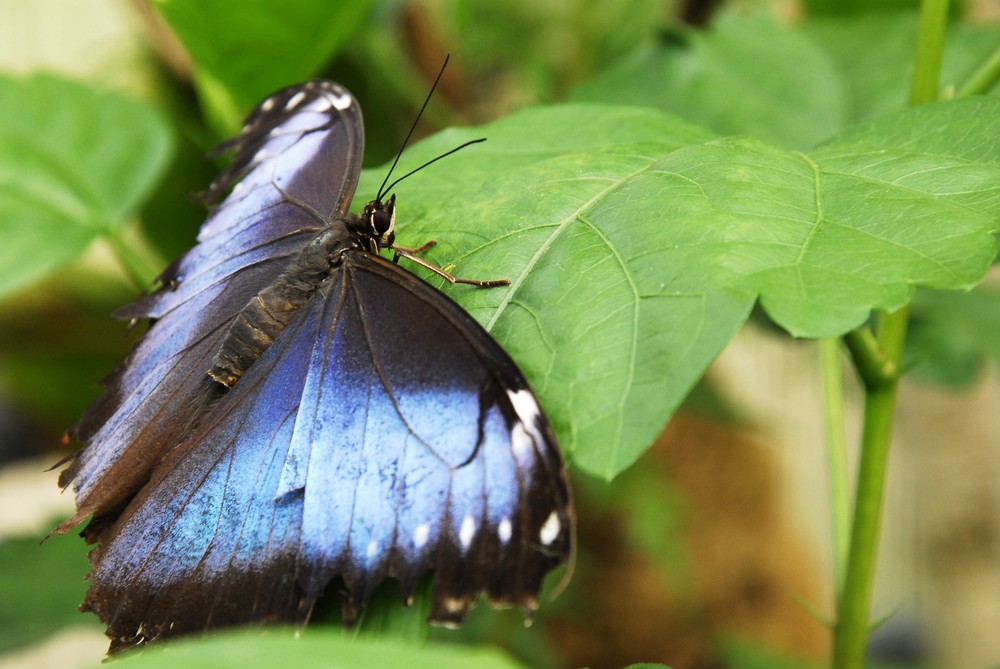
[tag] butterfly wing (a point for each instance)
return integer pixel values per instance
(302, 144)
(383, 434)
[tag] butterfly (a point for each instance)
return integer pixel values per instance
(303, 409)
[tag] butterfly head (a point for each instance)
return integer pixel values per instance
(380, 219)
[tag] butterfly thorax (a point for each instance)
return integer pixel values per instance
(269, 311)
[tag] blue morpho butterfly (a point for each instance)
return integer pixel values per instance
(302, 409)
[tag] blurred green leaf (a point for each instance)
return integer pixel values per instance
(858, 8)
(792, 84)
(57, 340)
(41, 586)
(745, 654)
(952, 334)
(279, 647)
(243, 50)
(746, 75)
(522, 51)
(635, 248)
(873, 54)
(75, 161)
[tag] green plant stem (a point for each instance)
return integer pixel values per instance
(838, 483)
(877, 359)
(983, 79)
(851, 630)
(869, 361)
(930, 45)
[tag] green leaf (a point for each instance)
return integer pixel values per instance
(635, 248)
(952, 335)
(278, 647)
(243, 50)
(747, 75)
(41, 586)
(872, 50)
(75, 162)
(745, 654)
(526, 50)
(792, 84)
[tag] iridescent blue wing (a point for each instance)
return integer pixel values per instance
(383, 434)
(303, 144)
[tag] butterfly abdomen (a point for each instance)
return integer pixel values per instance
(270, 310)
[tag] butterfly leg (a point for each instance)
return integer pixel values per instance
(417, 249)
(410, 254)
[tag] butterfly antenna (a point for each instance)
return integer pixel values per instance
(382, 189)
(433, 160)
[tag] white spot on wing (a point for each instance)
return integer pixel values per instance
(372, 549)
(520, 442)
(342, 101)
(467, 532)
(550, 530)
(267, 105)
(504, 531)
(295, 100)
(524, 436)
(421, 534)
(525, 405)
(260, 156)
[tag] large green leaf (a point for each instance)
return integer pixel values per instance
(75, 161)
(278, 648)
(242, 50)
(636, 245)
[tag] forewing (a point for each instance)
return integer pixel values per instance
(304, 143)
(383, 434)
